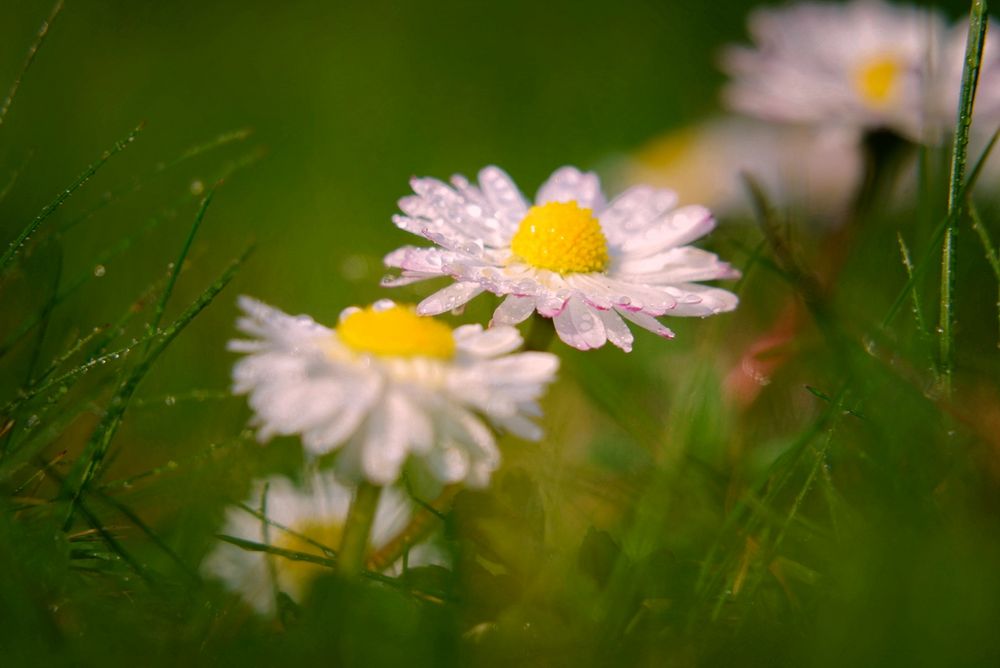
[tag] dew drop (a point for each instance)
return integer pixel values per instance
(100, 270)
(170, 400)
(197, 187)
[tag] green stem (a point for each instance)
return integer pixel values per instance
(351, 558)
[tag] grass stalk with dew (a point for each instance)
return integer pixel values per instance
(15, 246)
(970, 79)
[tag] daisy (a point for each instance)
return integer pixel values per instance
(867, 64)
(305, 520)
(388, 388)
(572, 256)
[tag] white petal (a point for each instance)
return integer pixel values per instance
(646, 322)
(551, 305)
(513, 310)
(489, 343)
(617, 331)
(385, 440)
(449, 463)
(393, 514)
(424, 260)
(579, 326)
(569, 184)
(676, 229)
(341, 426)
(521, 427)
(503, 195)
(702, 300)
(449, 298)
(634, 210)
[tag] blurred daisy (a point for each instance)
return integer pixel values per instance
(388, 388)
(865, 64)
(310, 519)
(573, 257)
(812, 170)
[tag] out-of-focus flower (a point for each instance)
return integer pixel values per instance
(810, 170)
(573, 257)
(866, 64)
(388, 388)
(303, 520)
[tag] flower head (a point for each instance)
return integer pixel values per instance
(304, 520)
(387, 388)
(866, 64)
(572, 256)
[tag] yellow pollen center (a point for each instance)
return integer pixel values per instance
(562, 237)
(302, 573)
(876, 79)
(396, 332)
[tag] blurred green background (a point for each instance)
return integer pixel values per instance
(346, 101)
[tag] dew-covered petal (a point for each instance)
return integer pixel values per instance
(569, 184)
(502, 193)
(618, 332)
(647, 322)
(702, 300)
(579, 326)
(449, 298)
(634, 210)
(513, 310)
(677, 228)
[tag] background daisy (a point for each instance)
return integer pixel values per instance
(866, 64)
(313, 518)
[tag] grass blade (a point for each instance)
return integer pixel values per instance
(100, 440)
(991, 253)
(18, 243)
(970, 79)
(918, 312)
(138, 182)
(43, 31)
(950, 218)
(161, 305)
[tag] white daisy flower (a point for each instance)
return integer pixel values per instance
(573, 257)
(388, 388)
(310, 519)
(865, 64)
(815, 171)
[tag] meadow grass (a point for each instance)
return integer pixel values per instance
(848, 516)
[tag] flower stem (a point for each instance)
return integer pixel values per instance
(351, 558)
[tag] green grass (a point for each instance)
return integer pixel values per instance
(848, 516)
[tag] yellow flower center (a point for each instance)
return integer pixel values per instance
(876, 79)
(302, 573)
(562, 237)
(396, 332)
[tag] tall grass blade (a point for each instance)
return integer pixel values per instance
(139, 181)
(161, 304)
(100, 440)
(43, 31)
(989, 250)
(960, 148)
(950, 218)
(18, 243)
